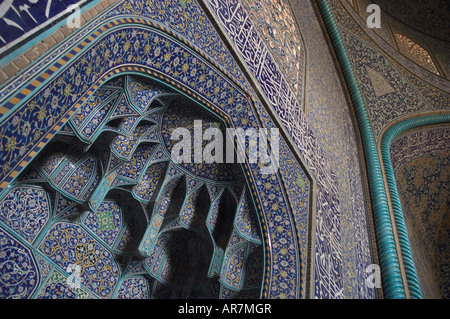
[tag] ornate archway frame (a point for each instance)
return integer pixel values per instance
(62, 81)
(388, 136)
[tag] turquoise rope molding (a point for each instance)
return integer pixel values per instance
(389, 263)
(386, 142)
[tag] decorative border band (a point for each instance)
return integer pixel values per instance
(389, 263)
(283, 260)
(386, 142)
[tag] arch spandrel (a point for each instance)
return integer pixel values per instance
(213, 89)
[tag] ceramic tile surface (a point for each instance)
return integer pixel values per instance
(117, 87)
(397, 87)
(186, 71)
(420, 162)
(317, 133)
(22, 21)
(165, 224)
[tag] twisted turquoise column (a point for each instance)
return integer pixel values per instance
(386, 141)
(389, 264)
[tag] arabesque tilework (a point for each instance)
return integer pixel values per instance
(420, 160)
(391, 93)
(78, 91)
(317, 134)
(78, 75)
(89, 248)
(21, 21)
(408, 89)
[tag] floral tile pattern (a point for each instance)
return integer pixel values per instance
(176, 44)
(316, 128)
(20, 276)
(420, 160)
(165, 217)
(394, 90)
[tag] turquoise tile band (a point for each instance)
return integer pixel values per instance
(389, 263)
(402, 233)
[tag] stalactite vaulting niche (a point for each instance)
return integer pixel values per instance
(107, 207)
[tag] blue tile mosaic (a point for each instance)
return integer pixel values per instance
(21, 21)
(167, 46)
(86, 257)
(20, 274)
(314, 135)
(420, 164)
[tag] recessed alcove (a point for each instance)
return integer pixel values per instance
(158, 228)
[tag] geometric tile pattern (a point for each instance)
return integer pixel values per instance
(415, 52)
(161, 50)
(199, 250)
